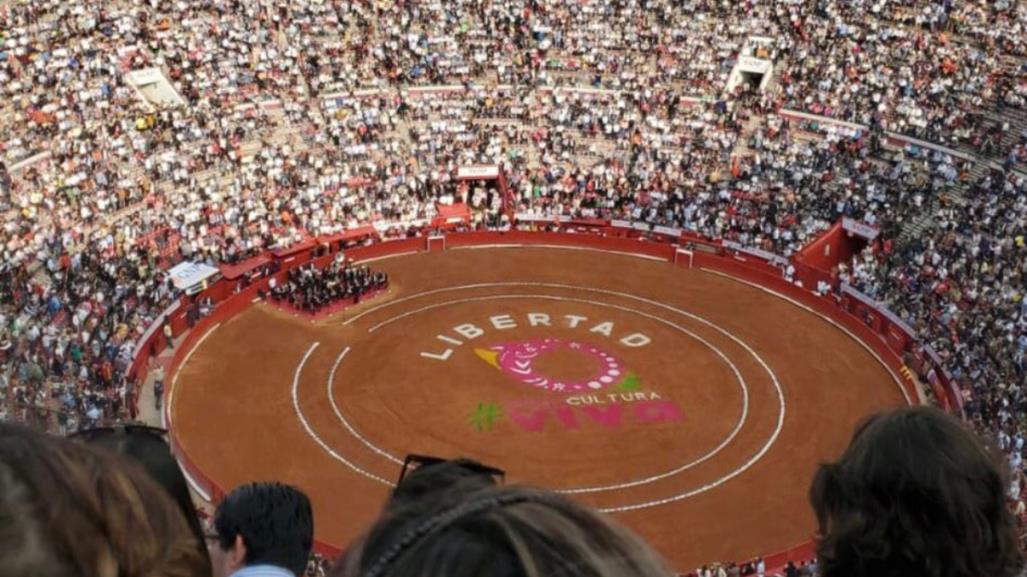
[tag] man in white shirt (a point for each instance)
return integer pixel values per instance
(262, 530)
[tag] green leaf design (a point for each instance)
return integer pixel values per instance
(630, 383)
(485, 415)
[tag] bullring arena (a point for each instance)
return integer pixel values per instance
(661, 256)
(655, 383)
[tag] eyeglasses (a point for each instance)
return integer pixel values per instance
(125, 429)
(414, 462)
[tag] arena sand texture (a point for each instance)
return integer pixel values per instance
(692, 406)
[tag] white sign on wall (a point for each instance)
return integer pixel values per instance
(481, 172)
(190, 277)
(753, 65)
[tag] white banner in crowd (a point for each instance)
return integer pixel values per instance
(860, 229)
(669, 231)
(528, 217)
(757, 252)
(382, 226)
(754, 65)
(190, 276)
(485, 171)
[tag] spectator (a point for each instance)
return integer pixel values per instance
(915, 493)
(158, 386)
(434, 477)
(71, 511)
(262, 530)
(312, 289)
(499, 531)
(147, 447)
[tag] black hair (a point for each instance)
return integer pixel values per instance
(915, 494)
(419, 492)
(428, 481)
(274, 520)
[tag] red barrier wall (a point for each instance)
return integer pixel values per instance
(627, 245)
(224, 311)
(770, 278)
(833, 246)
(231, 298)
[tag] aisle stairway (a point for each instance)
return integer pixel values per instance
(1017, 118)
(742, 148)
(922, 224)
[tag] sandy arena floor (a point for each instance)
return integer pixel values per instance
(691, 405)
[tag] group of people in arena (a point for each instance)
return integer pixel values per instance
(305, 118)
(915, 493)
(312, 289)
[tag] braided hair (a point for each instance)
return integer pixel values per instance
(499, 531)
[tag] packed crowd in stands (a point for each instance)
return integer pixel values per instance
(304, 118)
(312, 289)
(69, 334)
(962, 287)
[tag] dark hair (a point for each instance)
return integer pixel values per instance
(426, 482)
(915, 494)
(69, 510)
(499, 531)
(153, 454)
(418, 492)
(274, 520)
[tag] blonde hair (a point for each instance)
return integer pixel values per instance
(67, 509)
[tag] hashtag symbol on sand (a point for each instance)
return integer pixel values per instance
(485, 416)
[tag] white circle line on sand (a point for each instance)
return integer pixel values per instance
(644, 481)
(310, 430)
(174, 382)
(344, 421)
(773, 377)
(837, 325)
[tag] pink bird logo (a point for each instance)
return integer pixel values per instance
(517, 360)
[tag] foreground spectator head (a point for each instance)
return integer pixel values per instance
(68, 510)
(434, 477)
(262, 524)
(915, 494)
(500, 532)
(419, 489)
(146, 446)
